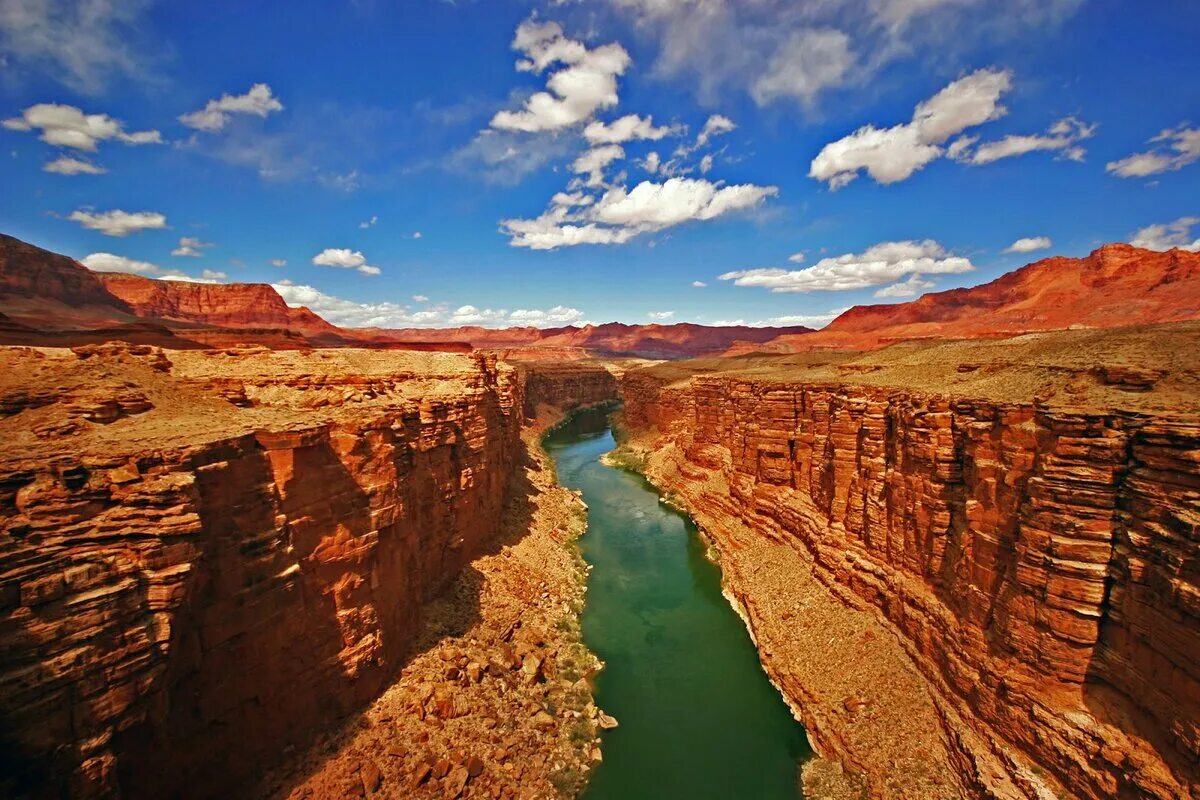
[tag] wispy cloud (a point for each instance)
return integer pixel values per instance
(84, 45)
(877, 265)
(1175, 149)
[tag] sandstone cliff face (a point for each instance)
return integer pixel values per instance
(234, 305)
(680, 340)
(566, 385)
(173, 615)
(1038, 563)
(28, 271)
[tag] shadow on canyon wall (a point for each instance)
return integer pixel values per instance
(292, 608)
(456, 610)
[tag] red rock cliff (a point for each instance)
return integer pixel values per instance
(183, 593)
(1116, 285)
(566, 385)
(31, 273)
(1038, 564)
(680, 340)
(232, 305)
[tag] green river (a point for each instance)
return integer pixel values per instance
(698, 718)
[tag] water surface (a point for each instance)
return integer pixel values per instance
(698, 718)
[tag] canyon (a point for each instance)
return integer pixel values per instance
(188, 539)
(337, 562)
(1021, 518)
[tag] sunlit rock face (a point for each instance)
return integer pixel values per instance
(203, 582)
(1115, 285)
(237, 305)
(1038, 563)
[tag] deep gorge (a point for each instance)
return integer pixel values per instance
(160, 608)
(1031, 568)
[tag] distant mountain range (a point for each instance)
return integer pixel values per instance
(1114, 286)
(50, 299)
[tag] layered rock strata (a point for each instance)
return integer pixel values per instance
(239, 561)
(496, 701)
(1037, 562)
(566, 385)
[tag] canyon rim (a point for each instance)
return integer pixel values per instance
(607, 399)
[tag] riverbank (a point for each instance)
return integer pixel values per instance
(496, 703)
(698, 717)
(865, 707)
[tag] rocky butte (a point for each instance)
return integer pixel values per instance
(964, 531)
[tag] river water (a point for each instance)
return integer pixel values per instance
(698, 718)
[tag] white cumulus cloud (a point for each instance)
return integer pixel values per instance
(714, 126)
(190, 246)
(883, 263)
(66, 165)
(628, 128)
(699, 284)
(893, 154)
(1168, 235)
(110, 262)
(620, 214)
(786, 321)
(593, 162)
(1029, 244)
(1063, 137)
(1176, 148)
(344, 258)
(585, 83)
(118, 222)
(258, 101)
(914, 285)
(660, 315)
(68, 126)
(396, 315)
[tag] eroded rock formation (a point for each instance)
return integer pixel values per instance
(1116, 285)
(1037, 560)
(566, 385)
(239, 560)
(235, 305)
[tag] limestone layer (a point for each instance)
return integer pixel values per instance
(1038, 563)
(197, 587)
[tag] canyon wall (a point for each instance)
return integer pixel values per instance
(176, 611)
(238, 305)
(1040, 565)
(566, 385)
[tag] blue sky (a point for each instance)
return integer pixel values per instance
(434, 163)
